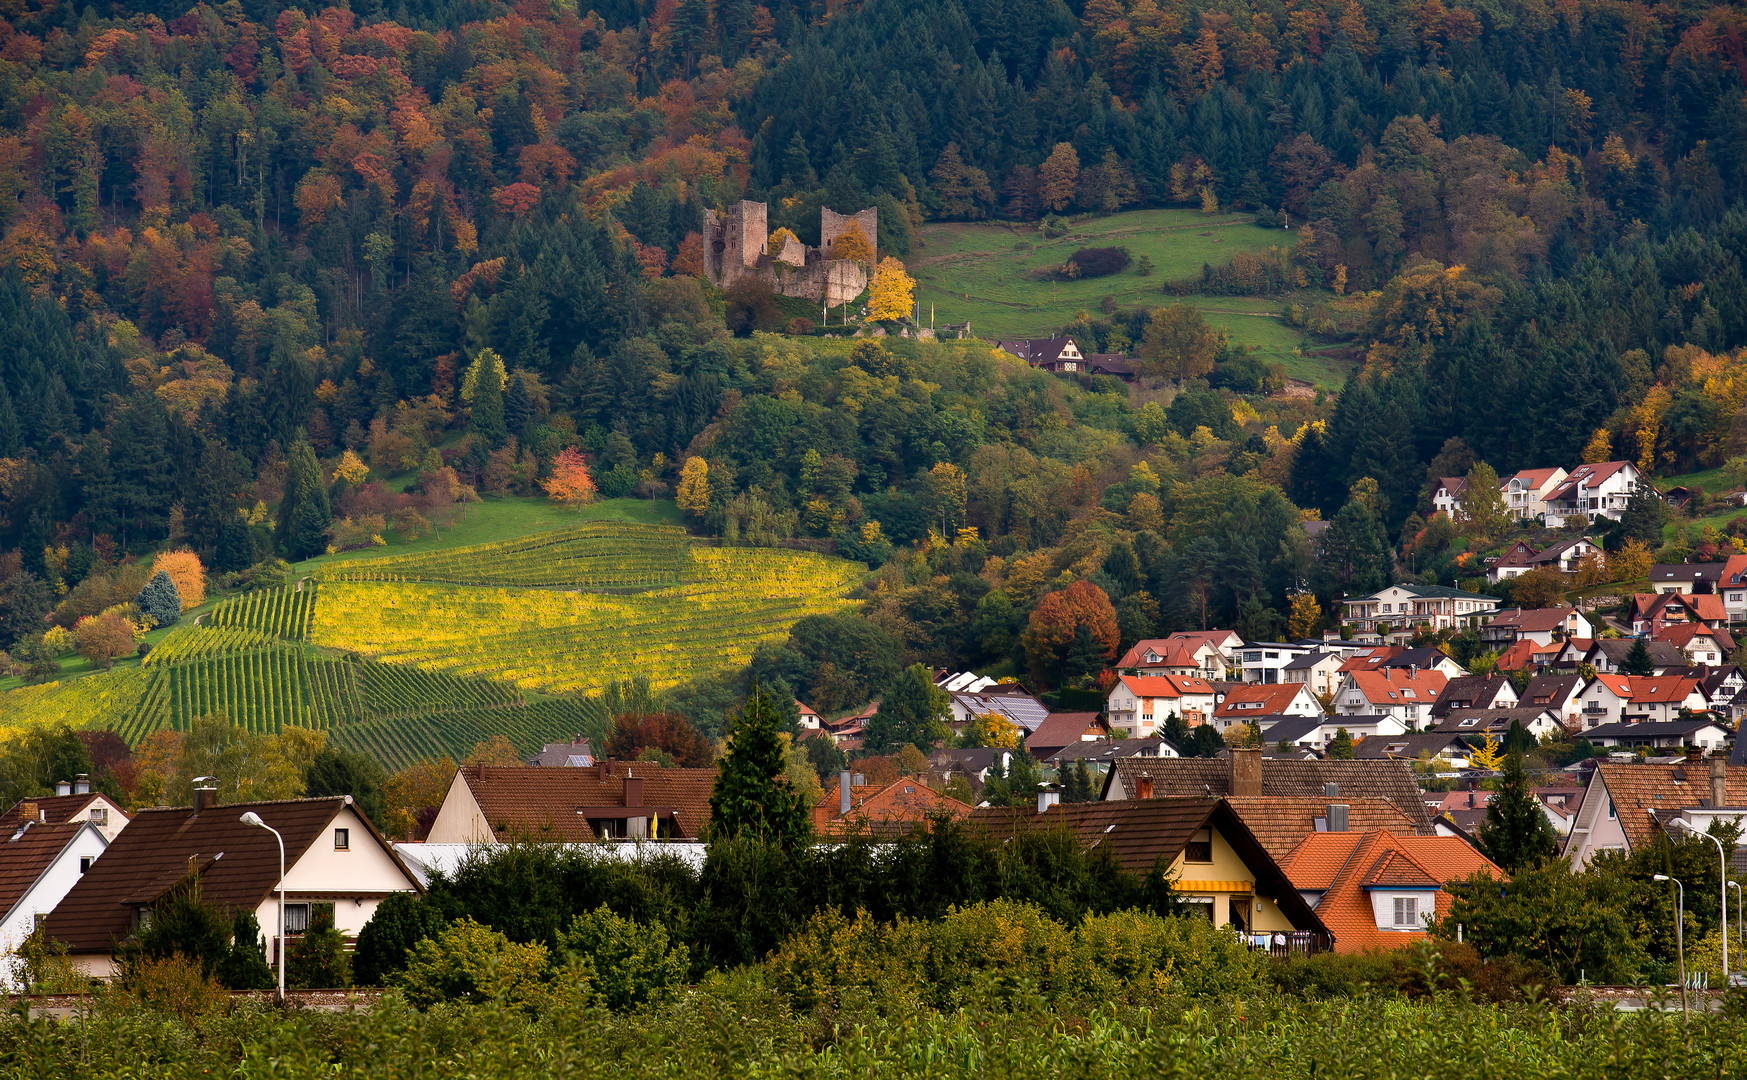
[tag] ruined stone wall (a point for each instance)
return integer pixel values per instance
(832, 225)
(734, 249)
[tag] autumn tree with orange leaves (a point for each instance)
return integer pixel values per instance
(1073, 627)
(570, 484)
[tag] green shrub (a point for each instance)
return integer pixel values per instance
(470, 962)
(245, 966)
(177, 985)
(401, 921)
(628, 964)
(318, 961)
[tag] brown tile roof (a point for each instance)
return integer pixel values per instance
(1141, 832)
(1636, 787)
(52, 809)
(897, 807)
(1532, 620)
(1281, 823)
(1389, 780)
(1166, 686)
(24, 856)
(1680, 635)
(1470, 692)
(1344, 865)
(544, 802)
(238, 864)
(1063, 729)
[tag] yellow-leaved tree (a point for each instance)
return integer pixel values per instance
(1599, 449)
(852, 244)
(351, 468)
(1305, 614)
(693, 495)
(992, 729)
(888, 297)
(778, 239)
(186, 574)
(1488, 757)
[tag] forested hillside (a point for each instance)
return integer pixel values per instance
(277, 279)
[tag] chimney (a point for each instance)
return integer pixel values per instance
(844, 783)
(633, 791)
(1246, 772)
(1337, 817)
(1047, 797)
(1331, 791)
(63, 788)
(1145, 786)
(29, 812)
(1719, 782)
(1471, 797)
(82, 784)
(1694, 753)
(205, 793)
(603, 769)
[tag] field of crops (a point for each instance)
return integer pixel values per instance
(282, 613)
(398, 741)
(191, 642)
(576, 643)
(597, 555)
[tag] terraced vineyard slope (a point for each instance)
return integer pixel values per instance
(577, 633)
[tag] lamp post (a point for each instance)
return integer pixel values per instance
(1679, 936)
(1740, 933)
(252, 818)
(1722, 889)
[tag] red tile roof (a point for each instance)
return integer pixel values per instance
(1374, 659)
(1256, 699)
(1526, 652)
(238, 864)
(24, 856)
(1344, 866)
(1171, 653)
(1680, 635)
(1590, 475)
(1397, 686)
(903, 803)
(1660, 689)
(1166, 686)
(1064, 729)
(544, 802)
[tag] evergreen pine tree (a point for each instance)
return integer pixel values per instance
(244, 966)
(1083, 781)
(1642, 520)
(752, 796)
(1516, 834)
(485, 381)
(1070, 784)
(518, 406)
(160, 600)
(1637, 660)
(912, 710)
(1340, 748)
(11, 432)
(304, 512)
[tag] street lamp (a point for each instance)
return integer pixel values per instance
(1740, 925)
(252, 818)
(1679, 935)
(1723, 889)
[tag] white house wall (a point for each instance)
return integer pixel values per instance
(460, 820)
(44, 895)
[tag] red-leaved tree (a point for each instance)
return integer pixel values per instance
(570, 484)
(1049, 637)
(669, 733)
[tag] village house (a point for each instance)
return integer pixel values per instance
(1053, 354)
(1544, 626)
(1316, 732)
(1701, 730)
(1475, 692)
(1008, 701)
(1529, 655)
(575, 754)
(39, 865)
(1282, 822)
(1654, 612)
(891, 810)
(1404, 608)
(1207, 653)
(1562, 695)
(1615, 813)
(1217, 866)
(1266, 661)
(1525, 494)
(1407, 695)
(1244, 703)
(1701, 644)
(1424, 659)
(1447, 749)
(1592, 491)
(974, 763)
(1447, 499)
(614, 800)
(1319, 670)
(1606, 655)
(1139, 704)
(1540, 722)
(1377, 889)
(1698, 578)
(333, 855)
(1063, 729)
(1611, 698)
(1732, 586)
(1564, 557)
(1099, 755)
(74, 801)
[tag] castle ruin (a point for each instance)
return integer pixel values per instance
(737, 242)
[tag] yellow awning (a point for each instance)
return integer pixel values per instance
(1215, 886)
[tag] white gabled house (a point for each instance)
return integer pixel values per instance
(1405, 607)
(1406, 694)
(39, 865)
(1592, 491)
(1525, 494)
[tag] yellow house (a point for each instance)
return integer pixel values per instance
(1217, 865)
